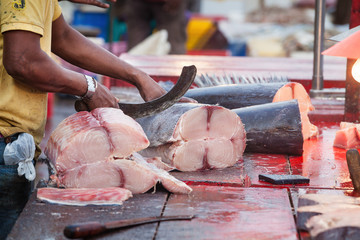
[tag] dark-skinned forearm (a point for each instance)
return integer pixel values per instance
(76, 49)
(26, 62)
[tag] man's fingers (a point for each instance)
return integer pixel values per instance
(99, 4)
(187, 100)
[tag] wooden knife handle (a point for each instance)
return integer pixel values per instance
(82, 230)
(353, 162)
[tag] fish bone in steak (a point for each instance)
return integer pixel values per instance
(94, 149)
(194, 137)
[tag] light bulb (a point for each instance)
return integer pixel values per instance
(355, 71)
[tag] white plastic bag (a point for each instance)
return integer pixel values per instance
(22, 151)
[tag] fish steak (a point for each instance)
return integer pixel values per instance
(194, 137)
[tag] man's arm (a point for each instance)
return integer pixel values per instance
(73, 47)
(25, 61)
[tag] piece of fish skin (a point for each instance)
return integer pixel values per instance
(84, 196)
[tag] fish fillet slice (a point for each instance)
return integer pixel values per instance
(97, 136)
(67, 131)
(348, 136)
(138, 179)
(79, 153)
(126, 135)
(84, 196)
(344, 125)
(118, 173)
(297, 91)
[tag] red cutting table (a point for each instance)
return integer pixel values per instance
(230, 203)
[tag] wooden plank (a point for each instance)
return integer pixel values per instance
(324, 164)
(234, 176)
(230, 213)
(47, 221)
(256, 164)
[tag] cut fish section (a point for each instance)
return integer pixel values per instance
(84, 196)
(201, 137)
(348, 136)
(88, 137)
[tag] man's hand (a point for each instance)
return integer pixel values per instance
(93, 2)
(187, 100)
(101, 98)
(148, 88)
(151, 90)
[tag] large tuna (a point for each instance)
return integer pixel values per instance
(243, 95)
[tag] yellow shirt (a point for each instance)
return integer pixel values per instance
(23, 108)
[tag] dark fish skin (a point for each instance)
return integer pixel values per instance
(346, 232)
(236, 95)
(303, 217)
(160, 127)
(138, 110)
(273, 128)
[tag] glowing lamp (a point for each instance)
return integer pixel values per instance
(349, 47)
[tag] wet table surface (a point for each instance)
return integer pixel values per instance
(229, 204)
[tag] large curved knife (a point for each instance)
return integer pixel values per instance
(138, 110)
